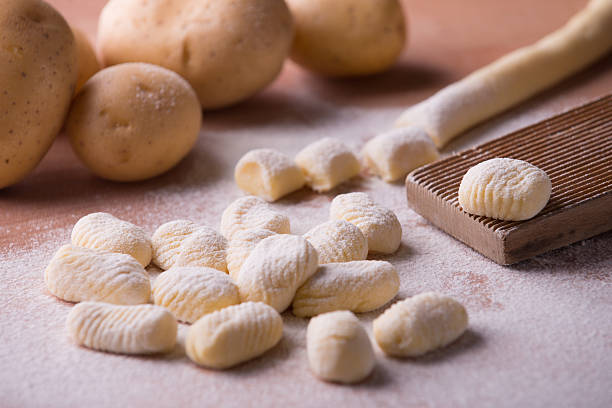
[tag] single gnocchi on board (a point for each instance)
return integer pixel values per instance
(339, 348)
(275, 269)
(77, 274)
(141, 329)
(338, 241)
(167, 240)
(204, 247)
(378, 224)
(327, 163)
(233, 335)
(191, 292)
(506, 189)
(241, 246)
(106, 232)
(268, 174)
(422, 323)
(252, 212)
(358, 286)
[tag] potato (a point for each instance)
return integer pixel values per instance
(227, 50)
(88, 63)
(134, 121)
(343, 38)
(37, 79)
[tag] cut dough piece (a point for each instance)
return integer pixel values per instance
(241, 246)
(394, 154)
(379, 224)
(76, 274)
(204, 247)
(275, 269)
(327, 163)
(252, 213)
(106, 232)
(339, 348)
(515, 77)
(233, 335)
(506, 189)
(359, 286)
(191, 292)
(268, 174)
(338, 241)
(420, 324)
(143, 329)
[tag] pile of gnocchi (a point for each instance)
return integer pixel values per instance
(232, 285)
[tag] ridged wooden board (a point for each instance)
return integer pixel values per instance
(575, 150)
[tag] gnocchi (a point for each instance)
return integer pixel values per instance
(77, 274)
(327, 163)
(252, 212)
(275, 269)
(204, 247)
(378, 224)
(104, 231)
(142, 329)
(506, 189)
(394, 154)
(338, 241)
(268, 174)
(358, 286)
(241, 246)
(420, 324)
(233, 335)
(191, 292)
(167, 240)
(339, 348)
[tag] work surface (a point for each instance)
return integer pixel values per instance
(540, 332)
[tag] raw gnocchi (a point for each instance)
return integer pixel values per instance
(338, 241)
(420, 324)
(359, 286)
(339, 348)
(379, 224)
(191, 292)
(241, 246)
(506, 189)
(275, 269)
(252, 212)
(142, 329)
(204, 247)
(394, 154)
(167, 240)
(106, 232)
(268, 174)
(327, 163)
(77, 274)
(233, 335)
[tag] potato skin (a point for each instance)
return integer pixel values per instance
(133, 121)
(37, 78)
(343, 38)
(88, 63)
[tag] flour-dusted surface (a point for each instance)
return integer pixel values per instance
(540, 332)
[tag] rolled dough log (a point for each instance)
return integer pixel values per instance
(515, 77)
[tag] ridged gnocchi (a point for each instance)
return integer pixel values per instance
(107, 232)
(191, 292)
(252, 212)
(275, 269)
(339, 348)
(76, 274)
(379, 224)
(268, 174)
(142, 329)
(394, 154)
(204, 247)
(167, 240)
(233, 335)
(420, 324)
(241, 246)
(327, 163)
(506, 189)
(338, 241)
(358, 286)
